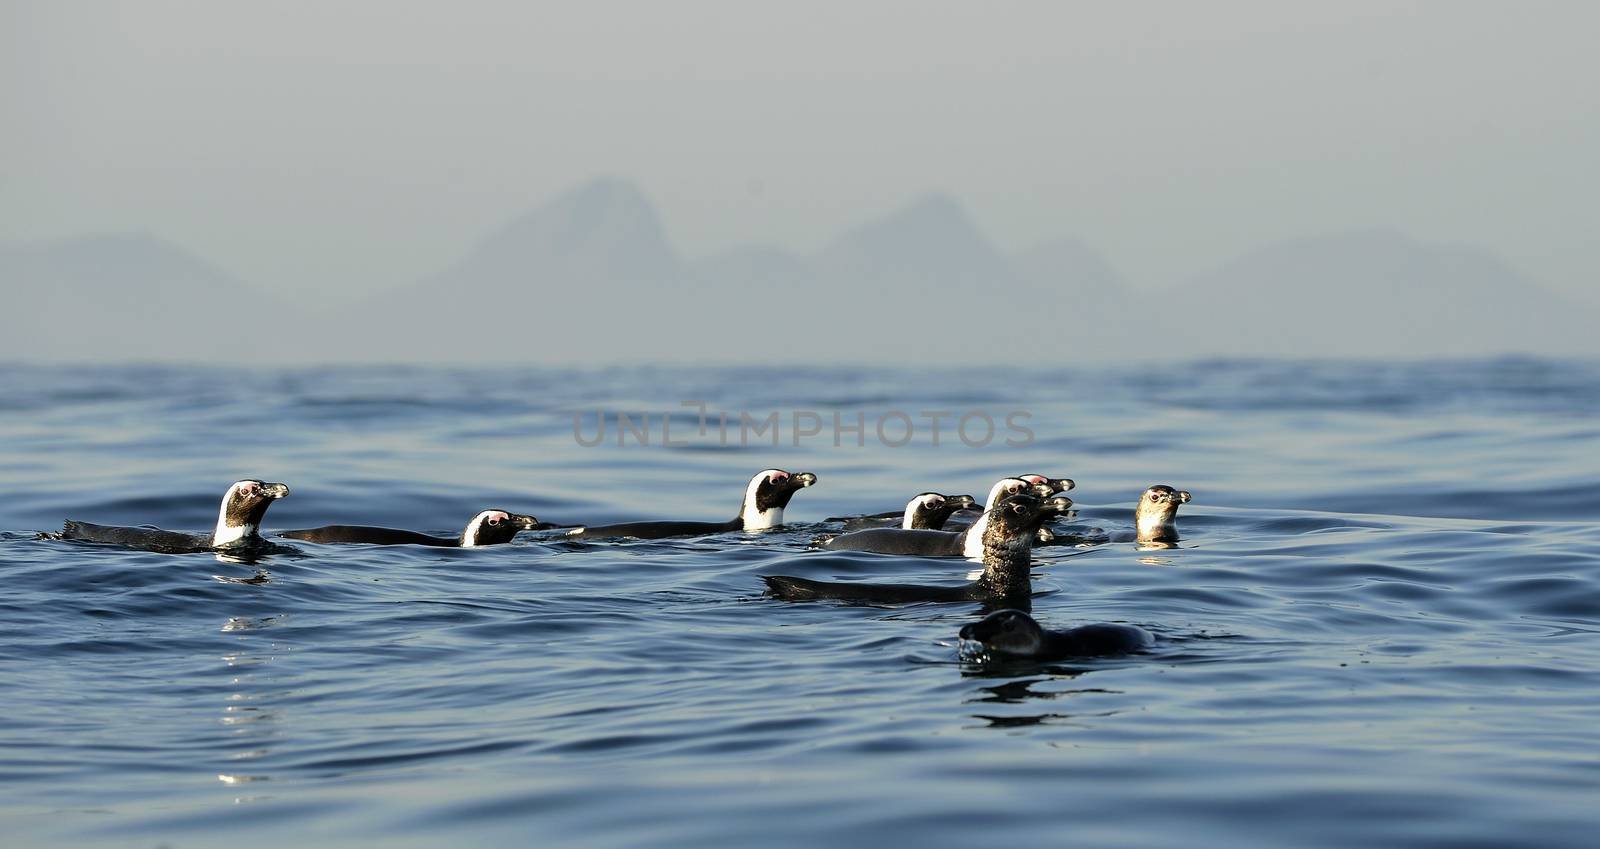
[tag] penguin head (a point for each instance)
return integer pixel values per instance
(1055, 484)
(1157, 513)
(243, 507)
(493, 527)
(1015, 518)
(1162, 498)
(931, 509)
(1005, 632)
(766, 496)
(1006, 487)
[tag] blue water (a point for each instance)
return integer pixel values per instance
(1382, 626)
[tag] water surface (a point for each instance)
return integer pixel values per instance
(1382, 625)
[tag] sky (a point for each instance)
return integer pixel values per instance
(338, 149)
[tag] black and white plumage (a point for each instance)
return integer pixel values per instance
(1156, 516)
(489, 527)
(1007, 558)
(927, 543)
(926, 511)
(762, 509)
(238, 524)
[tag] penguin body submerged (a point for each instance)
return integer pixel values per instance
(238, 524)
(928, 543)
(762, 509)
(1007, 557)
(489, 527)
(925, 511)
(1013, 633)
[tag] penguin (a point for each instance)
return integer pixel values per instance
(1155, 520)
(1008, 532)
(238, 524)
(1057, 485)
(762, 509)
(966, 543)
(1156, 516)
(1012, 633)
(880, 520)
(489, 527)
(925, 511)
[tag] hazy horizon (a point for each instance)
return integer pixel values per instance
(307, 146)
(330, 153)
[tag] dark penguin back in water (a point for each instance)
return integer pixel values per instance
(146, 539)
(1008, 543)
(899, 541)
(655, 530)
(1013, 633)
(358, 534)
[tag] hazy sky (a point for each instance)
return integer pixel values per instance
(348, 147)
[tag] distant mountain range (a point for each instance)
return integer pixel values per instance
(591, 277)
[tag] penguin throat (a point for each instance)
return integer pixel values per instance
(759, 520)
(226, 534)
(974, 548)
(1156, 527)
(469, 537)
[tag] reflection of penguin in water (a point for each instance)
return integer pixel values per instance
(1012, 633)
(1007, 557)
(764, 499)
(927, 511)
(489, 527)
(238, 524)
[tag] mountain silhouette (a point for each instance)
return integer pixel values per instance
(133, 297)
(591, 277)
(1372, 293)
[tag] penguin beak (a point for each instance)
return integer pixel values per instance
(273, 490)
(962, 502)
(529, 523)
(1183, 496)
(801, 480)
(1058, 504)
(1063, 484)
(1043, 490)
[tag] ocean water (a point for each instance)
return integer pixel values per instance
(1382, 626)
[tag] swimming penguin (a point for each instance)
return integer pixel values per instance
(238, 524)
(1155, 520)
(1056, 485)
(1007, 558)
(1012, 633)
(926, 511)
(762, 509)
(966, 543)
(489, 527)
(1156, 517)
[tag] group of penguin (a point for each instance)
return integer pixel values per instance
(1000, 532)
